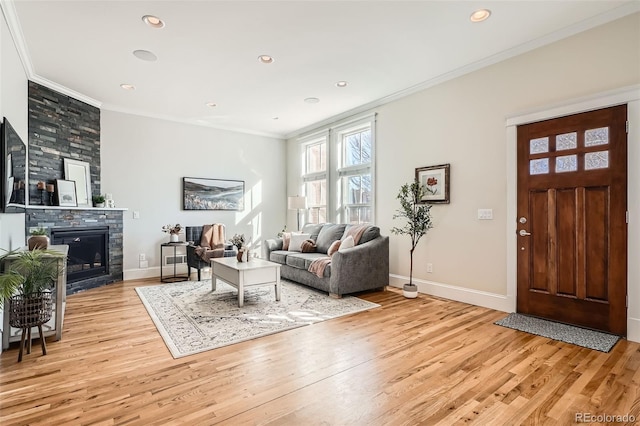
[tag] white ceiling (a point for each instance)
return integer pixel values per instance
(208, 50)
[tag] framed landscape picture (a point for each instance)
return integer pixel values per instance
(435, 181)
(212, 194)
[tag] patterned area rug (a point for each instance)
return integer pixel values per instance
(192, 319)
(586, 338)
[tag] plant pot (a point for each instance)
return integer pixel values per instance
(243, 255)
(173, 238)
(99, 205)
(410, 291)
(38, 241)
(30, 310)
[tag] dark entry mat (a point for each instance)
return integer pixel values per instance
(586, 338)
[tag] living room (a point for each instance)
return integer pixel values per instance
(466, 119)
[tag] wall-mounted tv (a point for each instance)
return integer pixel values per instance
(13, 186)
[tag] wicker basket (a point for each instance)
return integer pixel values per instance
(30, 310)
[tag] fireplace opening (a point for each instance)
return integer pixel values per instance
(88, 251)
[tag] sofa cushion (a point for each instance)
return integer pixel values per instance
(279, 256)
(371, 233)
(328, 234)
(296, 241)
(313, 229)
(334, 247)
(302, 260)
(347, 243)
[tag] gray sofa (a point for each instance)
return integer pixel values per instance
(363, 267)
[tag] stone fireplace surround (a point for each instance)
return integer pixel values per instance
(51, 217)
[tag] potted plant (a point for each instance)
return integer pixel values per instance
(26, 282)
(418, 222)
(98, 201)
(173, 231)
(38, 239)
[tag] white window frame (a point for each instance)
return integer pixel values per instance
(342, 171)
(332, 135)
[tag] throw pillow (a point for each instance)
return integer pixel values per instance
(333, 247)
(297, 240)
(347, 243)
(328, 234)
(308, 246)
(286, 240)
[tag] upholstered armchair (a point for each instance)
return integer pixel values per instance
(198, 252)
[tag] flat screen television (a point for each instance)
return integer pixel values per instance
(13, 186)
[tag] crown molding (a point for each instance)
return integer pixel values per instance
(587, 24)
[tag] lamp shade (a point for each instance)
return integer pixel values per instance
(297, 203)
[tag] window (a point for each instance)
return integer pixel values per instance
(337, 173)
(314, 176)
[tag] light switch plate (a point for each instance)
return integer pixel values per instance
(485, 214)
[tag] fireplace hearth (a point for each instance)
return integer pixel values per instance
(88, 251)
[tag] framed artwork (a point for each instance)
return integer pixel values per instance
(80, 173)
(435, 180)
(212, 194)
(66, 193)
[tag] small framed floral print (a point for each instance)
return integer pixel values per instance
(435, 181)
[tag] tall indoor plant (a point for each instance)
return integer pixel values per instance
(418, 221)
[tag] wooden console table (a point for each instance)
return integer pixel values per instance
(54, 326)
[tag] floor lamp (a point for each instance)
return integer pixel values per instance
(297, 203)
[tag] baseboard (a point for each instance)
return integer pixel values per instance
(633, 329)
(485, 299)
(153, 272)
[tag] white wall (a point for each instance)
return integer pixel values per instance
(145, 159)
(463, 122)
(13, 105)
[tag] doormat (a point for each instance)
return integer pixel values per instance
(591, 339)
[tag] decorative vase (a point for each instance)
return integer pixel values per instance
(173, 238)
(242, 255)
(38, 241)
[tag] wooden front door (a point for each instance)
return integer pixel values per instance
(572, 226)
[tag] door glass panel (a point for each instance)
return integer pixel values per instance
(537, 146)
(595, 137)
(567, 163)
(567, 141)
(539, 167)
(596, 160)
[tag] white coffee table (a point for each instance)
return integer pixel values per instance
(245, 274)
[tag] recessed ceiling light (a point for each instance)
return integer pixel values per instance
(312, 100)
(211, 104)
(153, 21)
(126, 86)
(342, 84)
(266, 59)
(480, 15)
(145, 55)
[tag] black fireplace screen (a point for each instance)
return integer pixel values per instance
(88, 251)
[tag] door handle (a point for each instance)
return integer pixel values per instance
(524, 233)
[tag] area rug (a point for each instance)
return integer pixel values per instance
(192, 319)
(586, 338)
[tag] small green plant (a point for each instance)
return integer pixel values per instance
(38, 231)
(28, 272)
(98, 199)
(416, 214)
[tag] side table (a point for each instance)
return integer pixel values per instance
(175, 277)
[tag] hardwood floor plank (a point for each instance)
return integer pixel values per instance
(421, 361)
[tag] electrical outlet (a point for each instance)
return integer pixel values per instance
(142, 256)
(136, 215)
(430, 267)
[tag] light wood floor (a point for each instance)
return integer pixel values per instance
(423, 361)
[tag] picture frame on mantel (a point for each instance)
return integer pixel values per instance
(79, 172)
(435, 181)
(66, 193)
